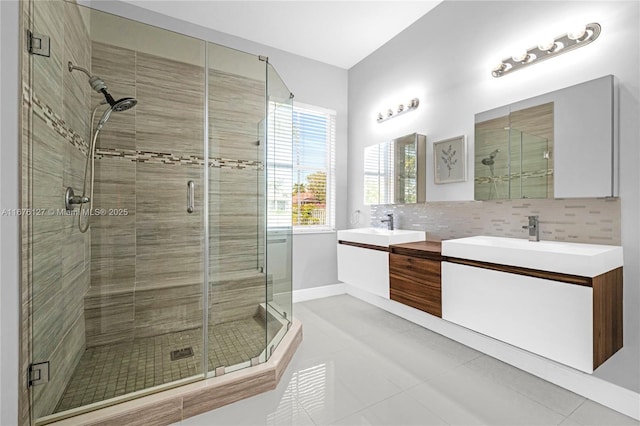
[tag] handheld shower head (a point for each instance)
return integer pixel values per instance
(104, 118)
(490, 160)
(124, 104)
(120, 105)
(99, 86)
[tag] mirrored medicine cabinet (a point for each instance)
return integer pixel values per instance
(395, 171)
(561, 144)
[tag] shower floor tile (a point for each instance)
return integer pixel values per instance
(109, 371)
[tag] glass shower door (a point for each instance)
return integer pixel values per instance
(529, 165)
(237, 313)
(535, 166)
(116, 309)
(278, 219)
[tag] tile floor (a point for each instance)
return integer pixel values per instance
(359, 365)
(109, 371)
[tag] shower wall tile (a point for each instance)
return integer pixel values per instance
(235, 214)
(237, 103)
(113, 64)
(47, 153)
(72, 285)
(63, 361)
(168, 239)
(234, 296)
(115, 187)
(168, 309)
(113, 254)
(113, 237)
(109, 317)
(73, 171)
(152, 259)
(170, 114)
(73, 255)
(48, 19)
(76, 91)
(579, 220)
(48, 302)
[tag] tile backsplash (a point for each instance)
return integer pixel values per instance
(580, 220)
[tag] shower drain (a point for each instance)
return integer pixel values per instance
(181, 353)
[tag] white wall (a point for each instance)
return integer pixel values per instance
(445, 59)
(9, 226)
(311, 82)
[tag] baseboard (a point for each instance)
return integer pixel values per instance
(305, 294)
(608, 394)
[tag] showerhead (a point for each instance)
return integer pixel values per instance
(99, 86)
(124, 104)
(489, 161)
(120, 105)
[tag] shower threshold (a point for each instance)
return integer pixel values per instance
(192, 397)
(111, 371)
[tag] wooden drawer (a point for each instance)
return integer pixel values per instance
(424, 271)
(415, 282)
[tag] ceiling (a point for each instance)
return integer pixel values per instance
(340, 33)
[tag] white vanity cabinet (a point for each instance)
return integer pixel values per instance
(364, 268)
(545, 317)
(363, 256)
(573, 319)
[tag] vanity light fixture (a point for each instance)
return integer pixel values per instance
(549, 48)
(401, 109)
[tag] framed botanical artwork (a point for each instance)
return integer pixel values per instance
(450, 160)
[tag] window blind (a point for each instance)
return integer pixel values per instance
(309, 163)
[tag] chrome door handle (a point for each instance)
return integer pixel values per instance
(190, 192)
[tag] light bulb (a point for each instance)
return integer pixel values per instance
(389, 113)
(400, 108)
(380, 116)
(577, 33)
(520, 56)
(499, 67)
(548, 45)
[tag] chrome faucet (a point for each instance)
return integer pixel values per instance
(534, 228)
(388, 221)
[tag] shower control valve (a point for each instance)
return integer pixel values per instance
(71, 200)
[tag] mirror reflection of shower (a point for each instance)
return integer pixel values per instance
(490, 161)
(120, 105)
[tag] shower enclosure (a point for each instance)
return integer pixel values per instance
(511, 164)
(514, 154)
(180, 275)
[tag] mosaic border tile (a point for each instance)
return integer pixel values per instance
(514, 176)
(53, 120)
(174, 159)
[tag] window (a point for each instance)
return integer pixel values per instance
(308, 200)
(313, 192)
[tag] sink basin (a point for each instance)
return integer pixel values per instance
(586, 260)
(380, 236)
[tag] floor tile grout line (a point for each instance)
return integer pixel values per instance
(519, 391)
(584, 400)
(498, 383)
